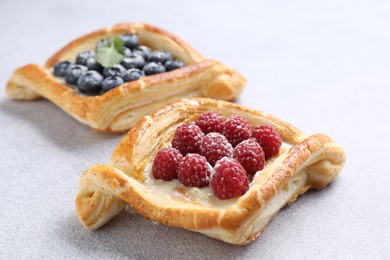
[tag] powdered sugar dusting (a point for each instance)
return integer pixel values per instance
(210, 121)
(187, 139)
(236, 129)
(194, 171)
(214, 147)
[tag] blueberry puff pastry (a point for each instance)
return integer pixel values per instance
(157, 69)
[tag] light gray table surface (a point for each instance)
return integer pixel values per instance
(323, 66)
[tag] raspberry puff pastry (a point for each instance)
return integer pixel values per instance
(303, 162)
(120, 108)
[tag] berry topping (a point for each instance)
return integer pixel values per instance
(187, 139)
(194, 171)
(236, 129)
(116, 70)
(268, 138)
(111, 82)
(73, 73)
(132, 74)
(90, 82)
(229, 180)
(82, 57)
(166, 163)
(173, 64)
(60, 68)
(153, 68)
(250, 155)
(214, 147)
(142, 51)
(130, 40)
(159, 56)
(210, 122)
(127, 52)
(92, 64)
(120, 58)
(133, 61)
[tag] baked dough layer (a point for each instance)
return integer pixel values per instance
(120, 108)
(104, 190)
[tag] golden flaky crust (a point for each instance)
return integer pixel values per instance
(120, 108)
(307, 162)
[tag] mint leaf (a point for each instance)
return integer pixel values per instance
(110, 53)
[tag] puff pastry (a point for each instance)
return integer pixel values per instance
(303, 162)
(120, 108)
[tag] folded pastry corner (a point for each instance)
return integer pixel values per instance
(120, 108)
(303, 162)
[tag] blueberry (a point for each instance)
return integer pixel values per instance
(92, 64)
(74, 72)
(60, 68)
(133, 61)
(102, 42)
(143, 51)
(159, 56)
(130, 40)
(153, 68)
(116, 70)
(111, 82)
(173, 64)
(82, 57)
(127, 52)
(90, 82)
(132, 74)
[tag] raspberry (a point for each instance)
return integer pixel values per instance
(194, 171)
(250, 155)
(229, 180)
(268, 138)
(210, 121)
(236, 129)
(187, 139)
(165, 164)
(214, 147)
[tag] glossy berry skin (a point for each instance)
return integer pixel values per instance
(173, 64)
(268, 138)
(166, 164)
(159, 56)
(60, 68)
(82, 57)
(187, 139)
(92, 64)
(111, 82)
(214, 147)
(90, 82)
(102, 43)
(194, 171)
(133, 61)
(153, 68)
(116, 70)
(73, 73)
(250, 155)
(127, 52)
(229, 179)
(236, 129)
(143, 51)
(210, 121)
(132, 74)
(130, 40)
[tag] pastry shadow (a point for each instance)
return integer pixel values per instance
(54, 124)
(131, 236)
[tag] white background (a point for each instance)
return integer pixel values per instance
(323, 66)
